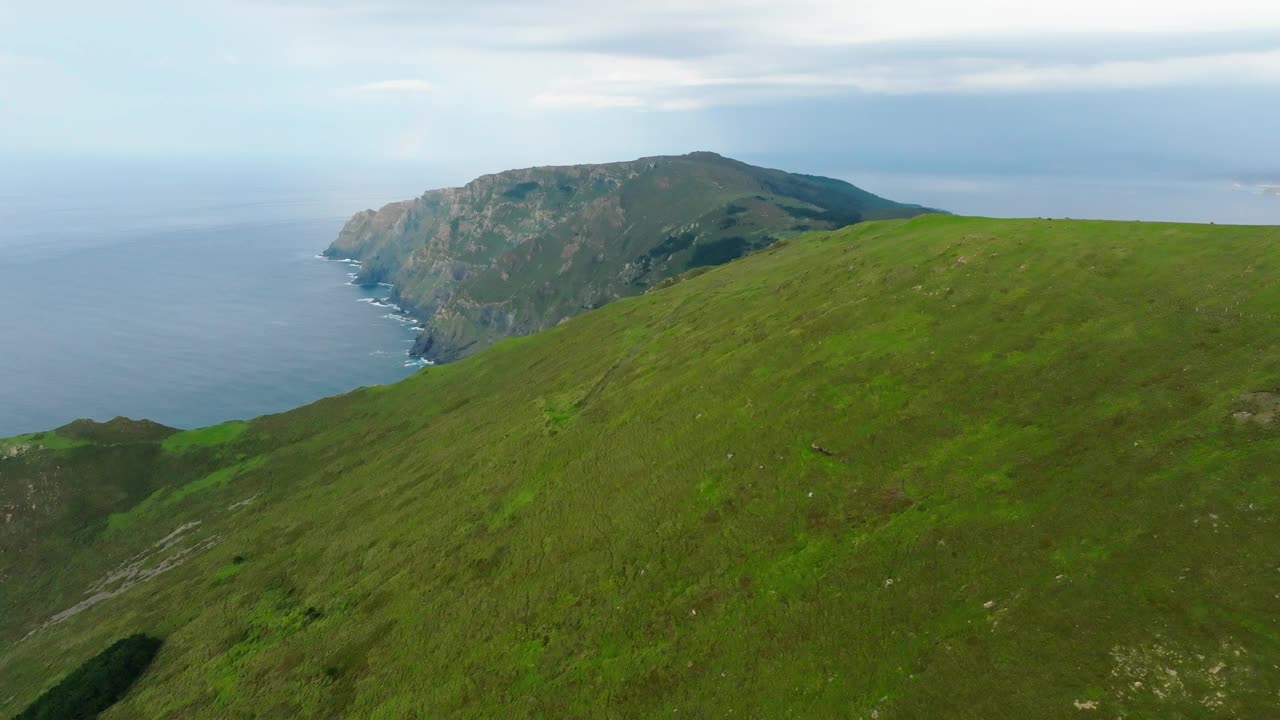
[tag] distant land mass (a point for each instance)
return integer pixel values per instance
(522, 250)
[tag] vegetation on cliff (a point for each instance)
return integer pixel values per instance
(520, 251)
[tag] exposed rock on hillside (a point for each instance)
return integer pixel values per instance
(519, 251)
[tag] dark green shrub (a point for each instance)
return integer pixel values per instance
(719, 251)
(97, 684)
(522, 190)
(673, 244)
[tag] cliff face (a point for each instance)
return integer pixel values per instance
(519, 251)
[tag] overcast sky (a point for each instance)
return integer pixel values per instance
(1166, 88)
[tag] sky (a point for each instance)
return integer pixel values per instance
(963, 93)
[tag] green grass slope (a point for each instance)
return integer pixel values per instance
(945, 467)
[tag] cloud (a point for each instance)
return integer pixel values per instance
(398, 86)
(1258, 187)
(678, 24)
(681, 105)
(1222, 69)
(641, 83)
(695, 54)
(585, 101)
(530, 79)
(682, 55)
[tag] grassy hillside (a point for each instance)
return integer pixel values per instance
(519, 251)
(945, 467)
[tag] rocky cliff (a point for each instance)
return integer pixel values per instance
(519, 251)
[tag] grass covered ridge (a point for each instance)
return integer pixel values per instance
(205, 437)
(946, 467)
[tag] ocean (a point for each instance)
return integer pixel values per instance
(188, 297)
(195, 295)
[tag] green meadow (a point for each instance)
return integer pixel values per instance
(932, 468)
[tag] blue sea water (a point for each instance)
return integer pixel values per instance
(192, 295)
(185, 296)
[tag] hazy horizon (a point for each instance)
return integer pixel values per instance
(114, 190)
(1092, 93)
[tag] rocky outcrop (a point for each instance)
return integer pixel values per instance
(519, 251)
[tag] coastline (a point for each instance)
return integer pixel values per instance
(397, 312)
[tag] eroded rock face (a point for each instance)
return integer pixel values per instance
(519, 251)
(164, 555)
